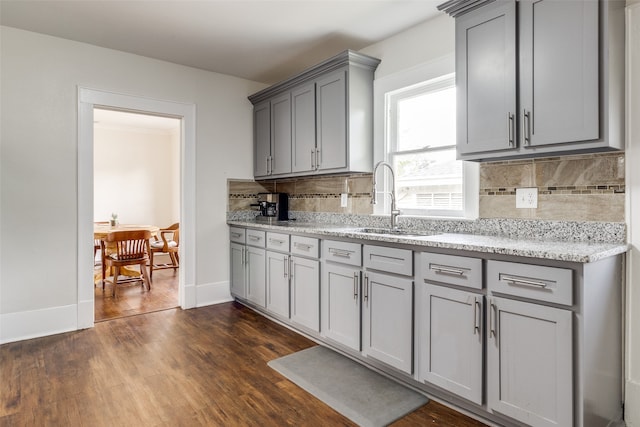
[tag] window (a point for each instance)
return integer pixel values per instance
(420, 141)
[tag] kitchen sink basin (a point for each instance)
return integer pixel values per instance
(390, 232)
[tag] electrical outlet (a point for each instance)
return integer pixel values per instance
(343, 200)
(527, 198)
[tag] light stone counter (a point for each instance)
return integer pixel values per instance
(581, 252)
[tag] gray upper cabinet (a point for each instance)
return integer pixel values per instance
(486, 41)
(330, 120)
(262, 139)
(331, 111)
(281, 134)
(539, 77)
(303, 128)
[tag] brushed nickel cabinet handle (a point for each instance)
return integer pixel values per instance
(523, 282)
(366, 287)
(313, 159)
(291, 264)
(510, 129)
(355, 285)
(442, 269)
(526, 127)
(317, 159)
(285, 265)
(492, 315)
(477, 309)
(340, 253)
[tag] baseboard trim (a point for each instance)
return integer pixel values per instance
(26, 325)
(213, 293)
(632, 404)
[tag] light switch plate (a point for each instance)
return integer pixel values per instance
(527, 198)
(343, 200)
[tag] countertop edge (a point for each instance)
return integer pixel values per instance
(580, 252)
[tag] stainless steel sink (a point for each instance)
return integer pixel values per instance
(390, 232)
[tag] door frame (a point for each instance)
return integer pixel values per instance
(87, 100)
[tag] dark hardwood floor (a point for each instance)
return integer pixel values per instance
(133, 299)
(205, 366)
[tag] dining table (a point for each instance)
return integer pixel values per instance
(102, 230)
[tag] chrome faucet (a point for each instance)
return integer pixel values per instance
(374, 198)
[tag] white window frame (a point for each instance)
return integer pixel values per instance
(430, 72)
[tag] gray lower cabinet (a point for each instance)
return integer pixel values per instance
(340, 304)
(387, 326)
(452, 340)
(305, 292)
(277, 274)
(238, 270)
(256, 283)
(529, 362)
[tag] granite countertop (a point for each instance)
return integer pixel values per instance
(582, 252)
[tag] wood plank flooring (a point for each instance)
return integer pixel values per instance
(205, 366)
(133, 299)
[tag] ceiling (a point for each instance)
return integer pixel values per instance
(260, 40)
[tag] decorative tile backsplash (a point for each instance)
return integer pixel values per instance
(570, 188)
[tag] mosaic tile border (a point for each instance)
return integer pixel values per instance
(569, 189)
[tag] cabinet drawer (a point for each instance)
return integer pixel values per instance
(392, 260)
(278, 242)
(256, 238)
(237, 234)
(452, 269)
(551, 284)
(305, 246)
(343, 252)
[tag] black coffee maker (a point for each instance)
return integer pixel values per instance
(273, 206)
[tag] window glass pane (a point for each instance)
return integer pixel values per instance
(431, 180)
(427, 119)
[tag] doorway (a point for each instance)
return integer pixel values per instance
(88, 99)
(136, 180)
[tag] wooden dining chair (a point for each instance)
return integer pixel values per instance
(127, 248)
(168, 243)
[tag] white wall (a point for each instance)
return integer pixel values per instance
(136, 175)
(39, 77)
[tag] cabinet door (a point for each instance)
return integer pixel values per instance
(486, 79)
(387, 314)
(558, 71)
(256, 288)
(261, 139)
(305, 292)
(529, 362)
(331, 115)
(237, 270)
(278, 283)
(340, 305)
(451, 341)
(303, 128)
(281, 134)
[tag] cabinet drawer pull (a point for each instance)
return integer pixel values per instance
(340, 253)
(302, 246)
(522, 282)
(276, 241)
(234, 234)
(255, 238)
(441, 269)
(313, 159)
(317, 159)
